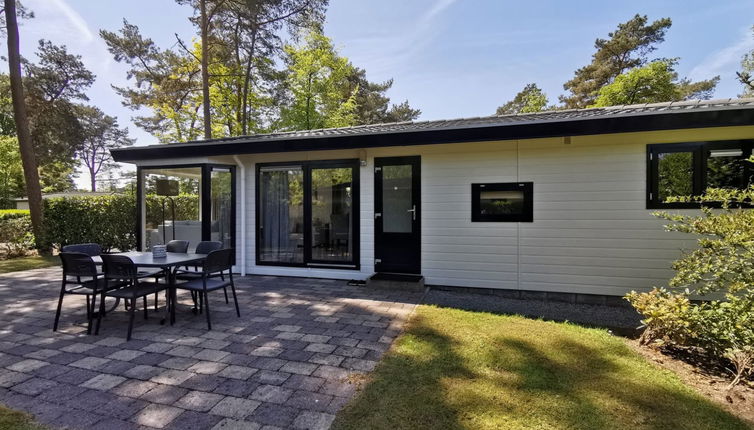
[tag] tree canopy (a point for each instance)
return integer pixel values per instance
(530, 99)
(746, 74)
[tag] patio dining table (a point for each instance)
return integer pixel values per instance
(167, 264)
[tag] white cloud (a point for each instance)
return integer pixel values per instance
(74, 19)
(726, 61)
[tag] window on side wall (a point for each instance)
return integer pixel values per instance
(502, 202)
(687, 169)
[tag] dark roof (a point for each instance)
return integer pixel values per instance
(572, 122)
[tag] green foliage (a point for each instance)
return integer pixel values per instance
(186, 208)
(652, 83)
(107, 220)
(627, 47)
(530, 99)
(16, 238)
(11, 171)
(720, 270)
(100, 134)
(13, 213)
(316, 79)
(745, 75)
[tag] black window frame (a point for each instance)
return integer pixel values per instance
(307, 166)
(700, 151)
(526, 216)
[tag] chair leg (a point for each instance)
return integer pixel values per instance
(225, 290)
(235, 299)
(146, 307)
(206, 310)
(100, 313)
(60, 307)
(155, 301)
(131, 315)
(90, 312)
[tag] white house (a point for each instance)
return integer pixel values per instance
(557, 201)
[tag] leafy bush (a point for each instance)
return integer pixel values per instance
(720, 272)
(16, 238)
(13, 213)
(107, 220)
(186, 208)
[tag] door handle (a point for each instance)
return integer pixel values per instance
(413, 212)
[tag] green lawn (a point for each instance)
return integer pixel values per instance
(14, 420)
(26, 263)
(455, 369)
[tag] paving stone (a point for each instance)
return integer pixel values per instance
(266, 351)
(76, 376)
(308, 400)
(191, 420)
(178, 363)
(214, 344)
(207, 367)
(198, 401)
(9, 378)
(358, 364)
(78, 347)
(236, 388)
(270, 377)
(125, 354)
(171, 377)
(271, 393)
(321, 347)
(348, 351)
(276, 415)
(78, 420)
(202, 382)
(183, 351)
(156, 415)
(310, 420)
(234, 407)
(27, 365)
(237, 372)
(91, 363)
(344, 341)
(133, 388)
(165, 394)
(121, 407)
(111, 341)
(115, 424)
(269, 363)
(299, 368)
(211, 355)
(151, 359)
(289, 335)
(61, 393)
(231, 424)
(327, 359)
(158, 347)
(142, 371)
(302, 382)
(316, 338)
(34, 386)
(42, 354)
(103, 382)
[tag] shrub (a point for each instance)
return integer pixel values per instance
(13, 213)
(720, 272)
(107, 220)
(16, 238)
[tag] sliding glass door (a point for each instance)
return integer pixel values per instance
(307, 214)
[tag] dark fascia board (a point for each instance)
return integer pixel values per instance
(650, 121)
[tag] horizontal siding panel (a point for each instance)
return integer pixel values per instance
(591, 262)
(593, 270)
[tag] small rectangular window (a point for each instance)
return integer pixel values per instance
(502, 202)
(688, 169)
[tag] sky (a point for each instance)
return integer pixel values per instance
(449, 58)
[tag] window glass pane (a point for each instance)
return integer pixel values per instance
(332, 215)
(501, 202)
(220, 227)
(725, 168)
(675, 174)
(397, 215)
(281, 215)
(172, 206)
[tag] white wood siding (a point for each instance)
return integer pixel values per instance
(591, 231)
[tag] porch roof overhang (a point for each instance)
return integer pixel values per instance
(559, 123)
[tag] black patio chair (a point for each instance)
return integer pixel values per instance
(177, 246)
(187, 274)
(216, 264)
(81, 277)
(120, 268)
(90, 249)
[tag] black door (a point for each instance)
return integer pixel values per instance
(397, 215)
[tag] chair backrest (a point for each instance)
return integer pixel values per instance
(78, 264)
(118, 267)
(90, 249)
(218, 261)
(207, 246)
(177, 246)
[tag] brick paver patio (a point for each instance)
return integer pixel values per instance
(293, 359)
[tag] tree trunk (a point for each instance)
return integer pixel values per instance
(93, 177)
(26, 147)
(205, 71)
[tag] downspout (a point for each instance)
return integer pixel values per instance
(242, 172)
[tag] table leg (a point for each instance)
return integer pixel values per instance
(173, 296)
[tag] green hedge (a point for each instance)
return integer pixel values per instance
(107, 220)
(13, 213)
(186, 208)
